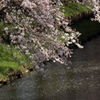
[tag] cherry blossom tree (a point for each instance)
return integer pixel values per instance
(39, 29)
(96, 9)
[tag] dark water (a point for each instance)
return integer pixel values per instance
(80, 81)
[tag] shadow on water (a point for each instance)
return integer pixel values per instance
(80, 81)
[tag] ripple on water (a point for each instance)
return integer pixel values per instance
(79, 81)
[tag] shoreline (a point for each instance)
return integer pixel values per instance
(15, 75)
(19, 73)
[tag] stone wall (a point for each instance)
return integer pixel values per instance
(77, 17)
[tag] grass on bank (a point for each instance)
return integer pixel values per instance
(73, 8)
(7, 63)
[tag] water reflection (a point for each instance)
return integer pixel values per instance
(80, 82)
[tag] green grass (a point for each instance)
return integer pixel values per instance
(8, 64)
(73, 8)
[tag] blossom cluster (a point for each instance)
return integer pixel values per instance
(39, 29)
(96, 9)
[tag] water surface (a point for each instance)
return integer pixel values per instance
(80, 81)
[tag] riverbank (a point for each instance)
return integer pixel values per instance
(80, 81)
(12, 67)
(13, 64)
(74, 10)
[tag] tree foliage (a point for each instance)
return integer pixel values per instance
(38, 29)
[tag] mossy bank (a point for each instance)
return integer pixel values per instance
(13, 64)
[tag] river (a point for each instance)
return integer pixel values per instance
(79, 81)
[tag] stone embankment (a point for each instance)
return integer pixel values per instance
(12, 76)
(85, 16)
(15, 75)
(78, 17)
